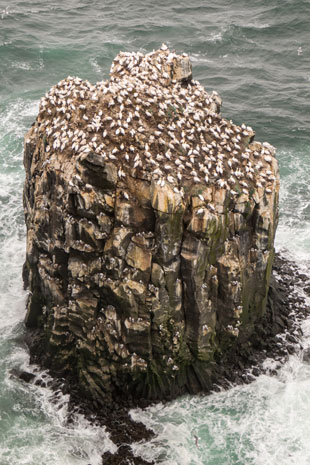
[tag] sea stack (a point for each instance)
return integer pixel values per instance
(150, 229)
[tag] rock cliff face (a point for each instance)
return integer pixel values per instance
(150, 228)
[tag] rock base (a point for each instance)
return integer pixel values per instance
(276, 336)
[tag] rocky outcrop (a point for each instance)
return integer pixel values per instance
(150, 229)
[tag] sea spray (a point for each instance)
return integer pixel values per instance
(33, 419)
(266, 421)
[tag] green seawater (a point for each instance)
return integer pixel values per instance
(256, 55)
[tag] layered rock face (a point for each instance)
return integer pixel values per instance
(150, 228)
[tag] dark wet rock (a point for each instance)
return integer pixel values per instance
(23, 375)
(123, 455)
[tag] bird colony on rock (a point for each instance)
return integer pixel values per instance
(150, 227)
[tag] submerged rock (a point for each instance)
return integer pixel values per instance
(150, 229)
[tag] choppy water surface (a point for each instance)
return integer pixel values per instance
(256, 55)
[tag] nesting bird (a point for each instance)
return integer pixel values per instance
(145, 121)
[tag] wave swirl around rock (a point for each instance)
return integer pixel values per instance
(150, 228)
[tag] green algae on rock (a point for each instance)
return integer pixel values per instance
(150, 228)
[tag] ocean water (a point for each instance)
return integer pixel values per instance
(257, 56)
